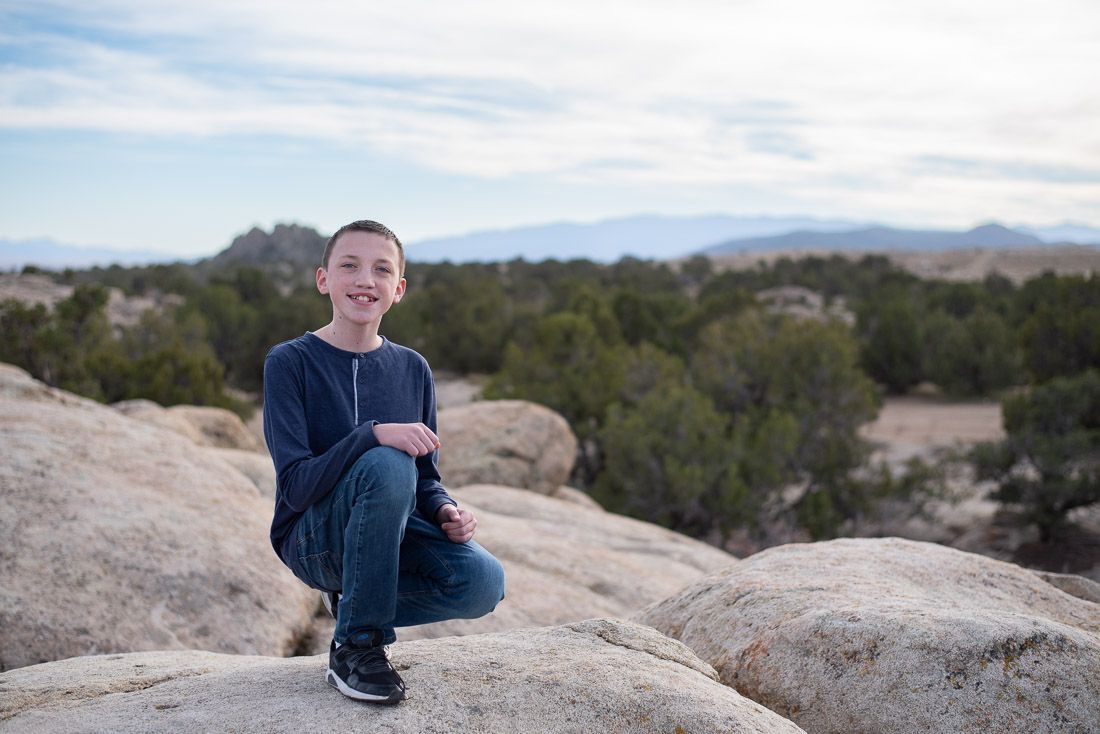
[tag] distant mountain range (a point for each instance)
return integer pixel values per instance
(52, 255)
(644, 236)
(882, 238)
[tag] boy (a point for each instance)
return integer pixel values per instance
(360, 513)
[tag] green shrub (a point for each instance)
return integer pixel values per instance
(1049, 463)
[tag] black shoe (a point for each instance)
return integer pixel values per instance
(330, 599)
(364, 673)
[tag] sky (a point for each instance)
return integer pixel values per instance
(172, 126)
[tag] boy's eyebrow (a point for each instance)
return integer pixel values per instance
(351, 256)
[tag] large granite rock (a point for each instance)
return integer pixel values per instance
(594, 676)
(895, 636)
(508, 442)
(120, 535)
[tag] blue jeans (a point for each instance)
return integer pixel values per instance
(394, 567)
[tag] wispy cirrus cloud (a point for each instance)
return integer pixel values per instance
(857, 98)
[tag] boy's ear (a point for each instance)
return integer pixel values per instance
(322, 280)
(397, 294)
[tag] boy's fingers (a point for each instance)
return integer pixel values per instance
(461, 529)
(433, 439)
(425, 440)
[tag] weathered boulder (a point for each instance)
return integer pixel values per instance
(222, 428)
(158, 415)
(595, 676)
(120, 535)
(510, 442)
(203, 425)
(895, 636)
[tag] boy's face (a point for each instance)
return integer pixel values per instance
(362, 278)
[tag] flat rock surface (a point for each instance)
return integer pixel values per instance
(121, 535)
(564, 562)
(511, 442)
(895, 636)
(594, 676)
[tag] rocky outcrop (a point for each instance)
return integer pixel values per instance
(121, 310)
(204, 425)
(286, 243)
(120, 535)
(510, 442)
(594, 676)
(895, 636)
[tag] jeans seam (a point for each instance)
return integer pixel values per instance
(358, 555)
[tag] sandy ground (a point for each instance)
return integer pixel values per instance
(926, 422)
(913, 426)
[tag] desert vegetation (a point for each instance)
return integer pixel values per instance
(698, 403)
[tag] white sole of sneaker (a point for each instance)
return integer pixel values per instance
(335, 682)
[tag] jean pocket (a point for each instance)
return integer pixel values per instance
(321, 571)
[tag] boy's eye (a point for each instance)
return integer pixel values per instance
(348, 266)
(382, 269)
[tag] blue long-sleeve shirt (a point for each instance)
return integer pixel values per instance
(321, 404)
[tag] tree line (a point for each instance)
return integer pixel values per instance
(696, 406)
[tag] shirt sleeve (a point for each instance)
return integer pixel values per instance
(303, 478)
(430, 494)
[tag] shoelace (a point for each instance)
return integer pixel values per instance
(372, 660)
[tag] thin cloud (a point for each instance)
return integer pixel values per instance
(860, 97)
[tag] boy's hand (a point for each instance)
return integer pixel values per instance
(459, 525)
(415, 439)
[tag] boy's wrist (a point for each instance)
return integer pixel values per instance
(439, 510)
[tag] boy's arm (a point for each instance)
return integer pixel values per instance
(430, 494)
(303, 478)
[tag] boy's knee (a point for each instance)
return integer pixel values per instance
(496, 583)
(486, 586)
(387, 472)
(386, 459)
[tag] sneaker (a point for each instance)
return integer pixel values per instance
(330, 599)
(364, 673)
